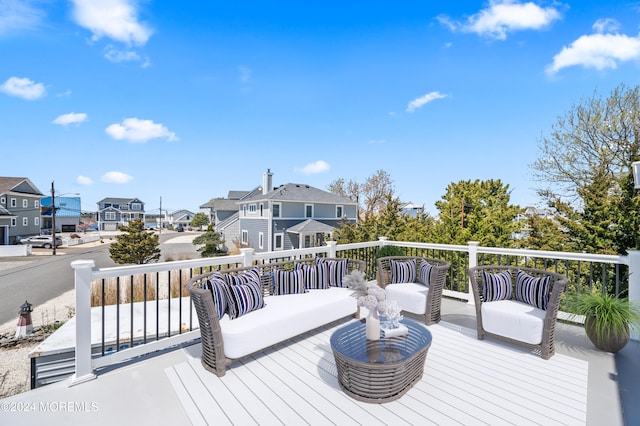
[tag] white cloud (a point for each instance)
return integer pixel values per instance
(23, 88)
(115, 19)
(115, 55)
(504, 16)
(314, 168)
(376, 141)
(599, 51)
(606, 25)
(136, 130)
(70, 118)
(420, 102)
(116, 177)
(83, 180)
(16, 15)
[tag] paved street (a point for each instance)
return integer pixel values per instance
(42, 277)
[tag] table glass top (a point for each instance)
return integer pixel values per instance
(350, 341)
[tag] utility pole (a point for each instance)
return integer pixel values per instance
(160, 215)
(53, 217)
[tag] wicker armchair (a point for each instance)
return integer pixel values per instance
(213, 355)
(414, 297)
(501, 319)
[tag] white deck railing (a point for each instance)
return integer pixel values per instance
(465, 256)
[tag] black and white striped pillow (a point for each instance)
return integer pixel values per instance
(402, 272)
(533, 290)
(244, 298)
(496, 286)
(336, 270)
(315, 276)
(424, 272)
(217, 286)
(288, 282)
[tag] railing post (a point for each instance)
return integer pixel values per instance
(82, 277)
(247, 253)
(382, 241)
(473, 261)
(634, 283)
(331, 249)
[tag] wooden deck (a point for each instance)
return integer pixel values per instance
(465, 382)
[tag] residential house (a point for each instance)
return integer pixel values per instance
(291, 216)
(19, 209)
(223, 214)
(67, 213)
(180, 217)
(411, 210)
(529, 212)
(114, 212)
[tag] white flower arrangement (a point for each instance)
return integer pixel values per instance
(369, 295)
(393, 313)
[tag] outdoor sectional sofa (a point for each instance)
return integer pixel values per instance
(416, 283)
(518, 305)
(244, 310)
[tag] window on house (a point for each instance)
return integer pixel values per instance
(308, 210)
(278, 241)
(3, 200)
(109, 215)
(276, 210)
(36, 221)
(36, 203)
(261, 210)
(25, 203)
(245, 236)
(136, 206)
(252, 208)
(260, 240)
(14, 202)
(25, 221)
(308, 241)
(13, 221)
(244, 210)
(339, 212)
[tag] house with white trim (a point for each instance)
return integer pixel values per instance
(115, 212)
(19, 209)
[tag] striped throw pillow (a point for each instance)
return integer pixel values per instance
(315, 276)
(336, 270)
(424, 272)
(533, 290)
(244, 298)
(496, 286)
(288, 282)
(402, 272)
(252, 275)
(217, 286)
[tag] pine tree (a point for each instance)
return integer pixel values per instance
(135, 245)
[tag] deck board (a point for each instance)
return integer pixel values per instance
(466, 381)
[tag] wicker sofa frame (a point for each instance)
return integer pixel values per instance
(558, 285)
(433, 306)
(213, 357)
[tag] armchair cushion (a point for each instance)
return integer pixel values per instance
(496, 286)
(411, 297)
(403, 272)
(533, 291)
(513, 319)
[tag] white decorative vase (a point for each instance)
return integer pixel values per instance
(373, 326)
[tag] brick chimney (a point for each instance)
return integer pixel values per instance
(267, 182)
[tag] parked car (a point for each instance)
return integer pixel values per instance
(180, 228)
(45, 241)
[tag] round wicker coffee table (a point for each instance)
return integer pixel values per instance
(379, 370)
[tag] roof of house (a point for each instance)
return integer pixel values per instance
(220, 203)
(119, 200)
(179, 214)
(5, 212)
(18, 184)
(311, 226)
(298, 192)
(228, 221)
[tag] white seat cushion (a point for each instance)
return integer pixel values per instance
(513, 319)
(411, 297)
(284, 317)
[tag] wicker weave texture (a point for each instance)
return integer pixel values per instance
(389, 368)
(558, 285)
(213, 358)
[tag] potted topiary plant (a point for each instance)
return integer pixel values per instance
(608, 319)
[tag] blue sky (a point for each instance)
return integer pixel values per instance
(185, 101)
